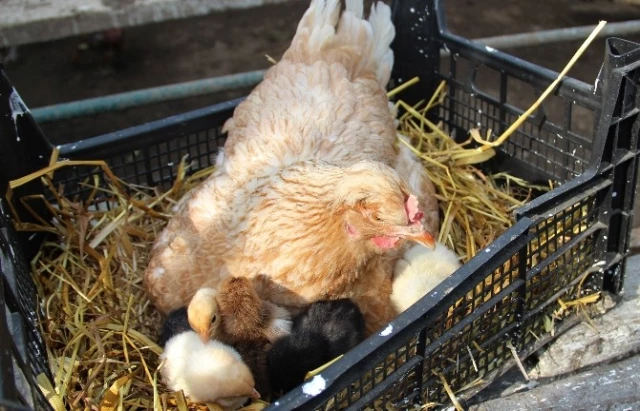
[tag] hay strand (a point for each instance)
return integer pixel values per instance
(450, 392)
(514, 352)
(486, 144)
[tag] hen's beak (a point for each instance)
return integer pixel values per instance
(424, 238)
(255, 394)
(418, 234)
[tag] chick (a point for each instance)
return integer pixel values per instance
(419, 271)
(236, 315)
(324, 331)
(292, 357)
(252, 352)
(207, 371)
(175, 323)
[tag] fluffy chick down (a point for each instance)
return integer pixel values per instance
(419, 271)
(207, 372)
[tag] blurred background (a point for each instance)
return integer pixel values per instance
(234, 40)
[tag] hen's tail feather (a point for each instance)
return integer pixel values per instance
(356, 7)
(383, 34)
(362, 46)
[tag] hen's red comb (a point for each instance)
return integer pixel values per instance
(413, 212)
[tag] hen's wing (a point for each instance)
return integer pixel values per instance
(178, 266)
(325, 100)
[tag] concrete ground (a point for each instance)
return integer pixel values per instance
(584, 369)
(35, 21)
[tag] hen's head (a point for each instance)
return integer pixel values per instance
(202, 313)
(379, 209)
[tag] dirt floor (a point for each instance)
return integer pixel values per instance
(237, 41)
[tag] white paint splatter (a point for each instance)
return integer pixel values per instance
(315, 386)
(386, 331)
(18, 108)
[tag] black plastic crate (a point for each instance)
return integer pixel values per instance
(498, 298)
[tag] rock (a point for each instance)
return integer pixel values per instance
(611, 387)
(617, 336)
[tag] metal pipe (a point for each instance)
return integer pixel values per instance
(537, 38)
(152, 95)
(121, 101)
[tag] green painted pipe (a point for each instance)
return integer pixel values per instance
(152, 95)
(146, 96)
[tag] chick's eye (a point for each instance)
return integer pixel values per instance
(376, 217)
(213, 319)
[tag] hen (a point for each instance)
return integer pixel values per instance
(310, 195)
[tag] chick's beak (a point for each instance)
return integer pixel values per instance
(205, 335)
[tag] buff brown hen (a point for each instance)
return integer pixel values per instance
(310, 195)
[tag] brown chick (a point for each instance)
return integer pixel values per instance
(236, 315)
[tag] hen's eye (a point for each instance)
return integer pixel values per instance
(377, 218)
(213, 319)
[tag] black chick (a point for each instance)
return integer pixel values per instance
(291, 357)
(176, 323)
(319, 334)
(339, 321)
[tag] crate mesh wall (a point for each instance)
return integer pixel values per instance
(550, 145)
(150, 166)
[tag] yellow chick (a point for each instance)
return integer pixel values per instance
(207, 371)
(419, 271)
